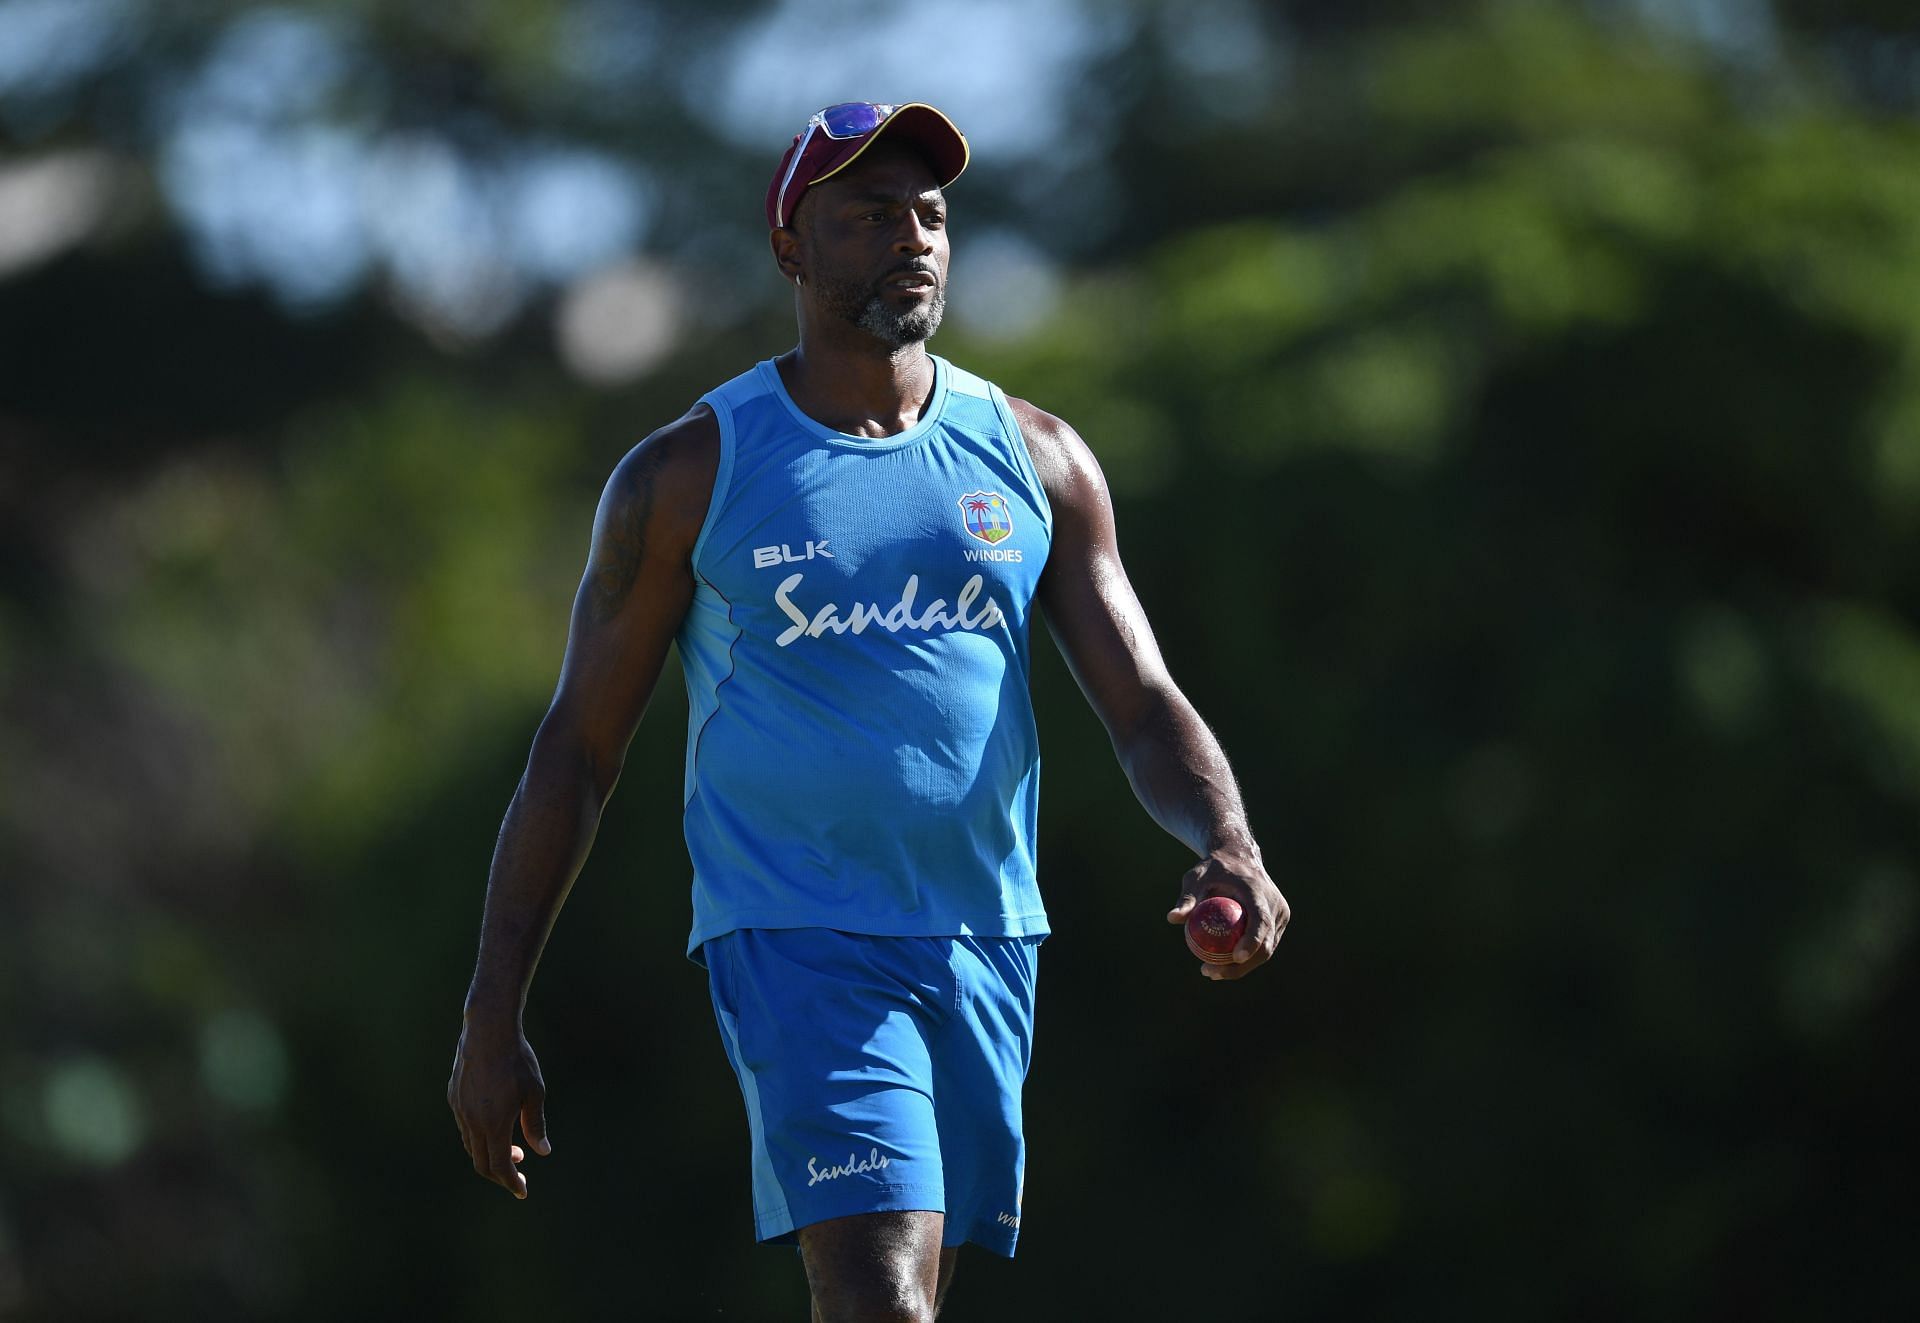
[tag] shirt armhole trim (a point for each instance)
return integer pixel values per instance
(722, 474)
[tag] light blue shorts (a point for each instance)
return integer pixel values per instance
(880, 1074)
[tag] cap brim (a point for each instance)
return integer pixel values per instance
(919, 123)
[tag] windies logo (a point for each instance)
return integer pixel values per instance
(987, 516)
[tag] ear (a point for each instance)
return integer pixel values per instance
(786, 254)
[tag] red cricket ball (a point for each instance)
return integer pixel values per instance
(1214, 927)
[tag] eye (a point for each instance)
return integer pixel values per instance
(875, 216)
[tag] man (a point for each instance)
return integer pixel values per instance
(847, 543)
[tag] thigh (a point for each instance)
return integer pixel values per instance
(948, 1257)
(874, 1265)
(980, 1066)
(827, 1037)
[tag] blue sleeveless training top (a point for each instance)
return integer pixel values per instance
(861, 751)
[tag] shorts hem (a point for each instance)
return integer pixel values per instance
(993, 1236)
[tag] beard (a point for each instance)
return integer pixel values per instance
(866, 307)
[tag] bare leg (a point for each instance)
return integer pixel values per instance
(947, 1258)
(875, 1267)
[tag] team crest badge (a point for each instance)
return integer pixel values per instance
(987, 516)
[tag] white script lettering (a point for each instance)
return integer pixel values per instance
(901, 615)
(874, 1161)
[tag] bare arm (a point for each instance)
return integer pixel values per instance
(630, 605)
(1172, 759)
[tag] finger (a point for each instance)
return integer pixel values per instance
(1264, 929)
(1189, 894)
(1256, 943)
(533, 1124)
(1253, 951)
(1245, 962)
(490, 1158)
(500, 1168)
(1280, 922)
(1229, 972)
(1248, 955)
(482, 1149)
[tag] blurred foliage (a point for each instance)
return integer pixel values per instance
(1514, 418)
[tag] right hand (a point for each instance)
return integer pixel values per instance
(496, 1079)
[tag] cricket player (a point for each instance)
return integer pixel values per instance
(849, 544)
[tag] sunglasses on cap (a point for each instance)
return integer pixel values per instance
(849, 119)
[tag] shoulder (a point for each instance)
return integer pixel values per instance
(1065, 464)
(684, 448)
(665, 482)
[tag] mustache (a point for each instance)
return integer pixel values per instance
(920, 268)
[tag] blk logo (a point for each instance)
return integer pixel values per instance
(765, 558)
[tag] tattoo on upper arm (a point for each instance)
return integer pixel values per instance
(623, 541)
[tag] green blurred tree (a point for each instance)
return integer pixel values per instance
(1515, 427)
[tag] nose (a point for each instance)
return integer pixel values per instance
(912, 237)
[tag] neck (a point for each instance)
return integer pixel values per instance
(857, 384)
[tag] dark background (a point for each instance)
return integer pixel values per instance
(1513, 412)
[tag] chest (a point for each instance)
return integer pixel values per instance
(944, 528)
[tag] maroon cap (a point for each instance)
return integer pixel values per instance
(823, 155)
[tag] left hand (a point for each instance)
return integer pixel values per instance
(1231, 873)
(496, 1081)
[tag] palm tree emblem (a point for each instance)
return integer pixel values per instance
(987, 516)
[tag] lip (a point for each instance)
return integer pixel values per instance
(912, 280)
